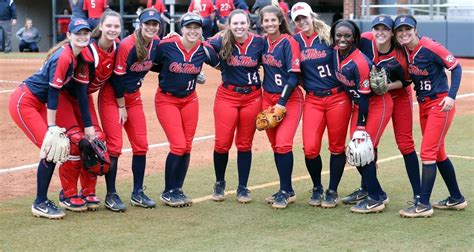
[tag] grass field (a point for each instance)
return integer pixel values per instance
(256, 226)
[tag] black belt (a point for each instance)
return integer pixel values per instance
(430, 97)
(240, 89)
(176, 95)
(326, 92)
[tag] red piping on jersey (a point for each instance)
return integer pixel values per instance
(308, 41)
(187, 55)
(245, 46)
(272, 45)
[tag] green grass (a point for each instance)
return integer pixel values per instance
(231, 226)
(18, 55)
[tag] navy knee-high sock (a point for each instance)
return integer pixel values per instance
(138, 169)
(446, 169)
(413, 171)
(285, 169)
(220, 165)
(244, 162)
(314, 167)
(369, 173)
(111, 175)
(183, 169)
(171, 171)
(336, 169)
(428, 178)
(43, 178)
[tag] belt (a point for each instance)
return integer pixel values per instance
(176, 95)
(430, 97)
(240, 89)
(326, 92)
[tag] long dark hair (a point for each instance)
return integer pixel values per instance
(283, 28)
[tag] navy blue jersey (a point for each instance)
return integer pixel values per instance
(317, 65)
(394, 61)
(353, 72)
(56, 72)
(426, 64)
(180, 67)
(131, 72)
(280, 59)
(241, 68)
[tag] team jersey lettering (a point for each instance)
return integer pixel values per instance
(241, 60)
(141, 66)
(413, 69)
(310, 53)
(186, 68)
(270, 60)
(344, 80)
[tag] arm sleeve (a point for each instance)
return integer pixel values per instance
(456, 75)
(292, 60)
(213, 59)
(53, 97)
(119, 88)
(363, 110)
(83, 100)
(288, 89)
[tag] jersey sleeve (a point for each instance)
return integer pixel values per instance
(81, 74)
(363, 74)
(191, 6)
(213, 59)
(106, 5)
(121, 60)
(442, 55)
(85, 6)
(292, 56)
(215, 42)
(58, 70)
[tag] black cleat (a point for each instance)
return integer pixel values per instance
(219, 191)
(114, 203)
(356, 196)
(316, 197)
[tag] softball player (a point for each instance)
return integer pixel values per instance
(27, 106)
(238, 100)
(120, 105)
(223, 9)
(352, 69)
(205, 9)
(95, 9)
(427, 61)
(379, 46)
(176, 102)
(326, 104)
(280, 62)
(101, 55)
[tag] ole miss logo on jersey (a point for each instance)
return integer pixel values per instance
(311, 53)
(241, 60)
(270, 60)
(413, 69)
(344, 80)
(185, 68)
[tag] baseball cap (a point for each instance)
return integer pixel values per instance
(301, 9)
(78, 24)
(190, 18)
(383, 19)
(149, 14)
(404, 20)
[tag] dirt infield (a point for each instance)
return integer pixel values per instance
(18, 151)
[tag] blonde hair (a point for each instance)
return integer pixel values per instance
(229, 40)
(323, 30)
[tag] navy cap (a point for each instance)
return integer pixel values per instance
(191, 18)
(383, 19)
(78, 24)
(404, 20)
(149, 14)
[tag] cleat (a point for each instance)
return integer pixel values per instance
(416, 210)
(243, 194)
(114, 203)
(368, 206)
(140, 199)
(281, 199)
(74, 203)
(316, 197)
(47, 209)
(451, 203)
(384, 198)
(172, 198)
(330, 199)
(92, 202)
(219, 191)
(271, 199)
(187, 201)
(356, 196)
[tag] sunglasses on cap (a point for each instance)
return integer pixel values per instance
(190, 18)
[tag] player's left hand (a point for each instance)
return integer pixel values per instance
(90, 132)
(447, 103)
